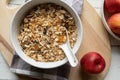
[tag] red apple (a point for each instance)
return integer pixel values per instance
(92, 63)
(114, 23)
(112, 6)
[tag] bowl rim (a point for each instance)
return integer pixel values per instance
(42, 64)
(105, 23)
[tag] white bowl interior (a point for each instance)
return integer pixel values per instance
(18, 17)
(106, 25)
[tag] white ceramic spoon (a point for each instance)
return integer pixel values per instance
(68, 52)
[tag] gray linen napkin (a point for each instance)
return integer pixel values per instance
(18, 66)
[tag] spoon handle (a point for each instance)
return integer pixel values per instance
(71, 57)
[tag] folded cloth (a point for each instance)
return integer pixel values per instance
(18, 66)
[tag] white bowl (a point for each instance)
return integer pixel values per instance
(19, 15)
(105, 16)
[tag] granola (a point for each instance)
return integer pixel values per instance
(41, 31)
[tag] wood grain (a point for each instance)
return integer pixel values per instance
(95, 38)
(6, 44)
(6, 15)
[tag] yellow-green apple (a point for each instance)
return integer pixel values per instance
(92, 63)
(112, 6)
(114, 23)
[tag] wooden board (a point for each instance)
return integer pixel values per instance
(95, 38)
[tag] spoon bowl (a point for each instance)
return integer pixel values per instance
(68, 52)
